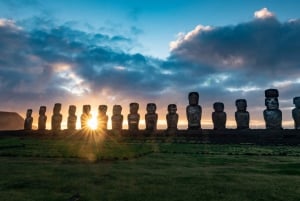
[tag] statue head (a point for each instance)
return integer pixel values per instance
(29, 113)
(172, 109)
(241, 105)
(42, 110)
(117, 109)
(151, 108)
(57, 108)
(193, 98)
(72, 110)
(134, 107)
(218, 107)
(102, 109)
(272, 103)
(86, 109)
(296, 101)
(271, 93)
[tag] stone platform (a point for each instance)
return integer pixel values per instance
(227, 136)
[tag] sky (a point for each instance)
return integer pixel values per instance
(116, 52)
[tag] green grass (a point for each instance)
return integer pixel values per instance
(47, 169)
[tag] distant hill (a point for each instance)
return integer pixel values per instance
(11, 121)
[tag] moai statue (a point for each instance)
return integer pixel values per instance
(117, 118)
(272, 115)
(72, 118)
(194, 112)
(28, 121)
(42, 118)
(133, 117)
(242, 116)
(86, 116)
(151, 117)
(219, 116)
(102, 117)
(56, 117)
(172, 118)
(296, 112)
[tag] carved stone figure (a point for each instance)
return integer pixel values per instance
(117, 118)
(242, 116)
(102, 117)
(86, 116)
(194, 112)
(272, 115)
(219, 116)
(72, 118)
(133, 117)
(172, 118)
(151, 117)
(296, 112)
(28, 120)
(42, 118)
(56, 117)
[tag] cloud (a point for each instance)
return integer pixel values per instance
(263, 44)
(70, 63)
(263, 14)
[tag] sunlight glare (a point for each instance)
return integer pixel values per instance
(92, 123)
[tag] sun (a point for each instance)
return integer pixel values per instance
(92, 123)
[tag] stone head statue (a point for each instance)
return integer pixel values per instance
(72, 110)
(271, 93)
(42, 110)
(57, 108)
(29, 113)
(151, 108)
(271, 101)
(117, 109)
(102, 109)
(241, 105)
(86, 109)
(134, 107)
(218, 107)
(193, 98)
(172, 109)
(296, 101)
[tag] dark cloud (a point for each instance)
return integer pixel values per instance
(262, 44)
(58, 57)
(255, 55)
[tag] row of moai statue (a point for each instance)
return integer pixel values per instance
(272, 115)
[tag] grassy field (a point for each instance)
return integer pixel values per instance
(98, 168)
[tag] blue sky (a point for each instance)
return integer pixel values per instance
(109, 52)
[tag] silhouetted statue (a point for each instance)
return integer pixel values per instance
(219, 116)
(72, 118)
(117, 118)
(296, 112)
(242, 116)
(151, 117)
(194, 112)
(102, 117)
(133, 117)
(42, 118)
(272, 115)
(172, 118)
(56, 118)
(86, 116)
(28, 120)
